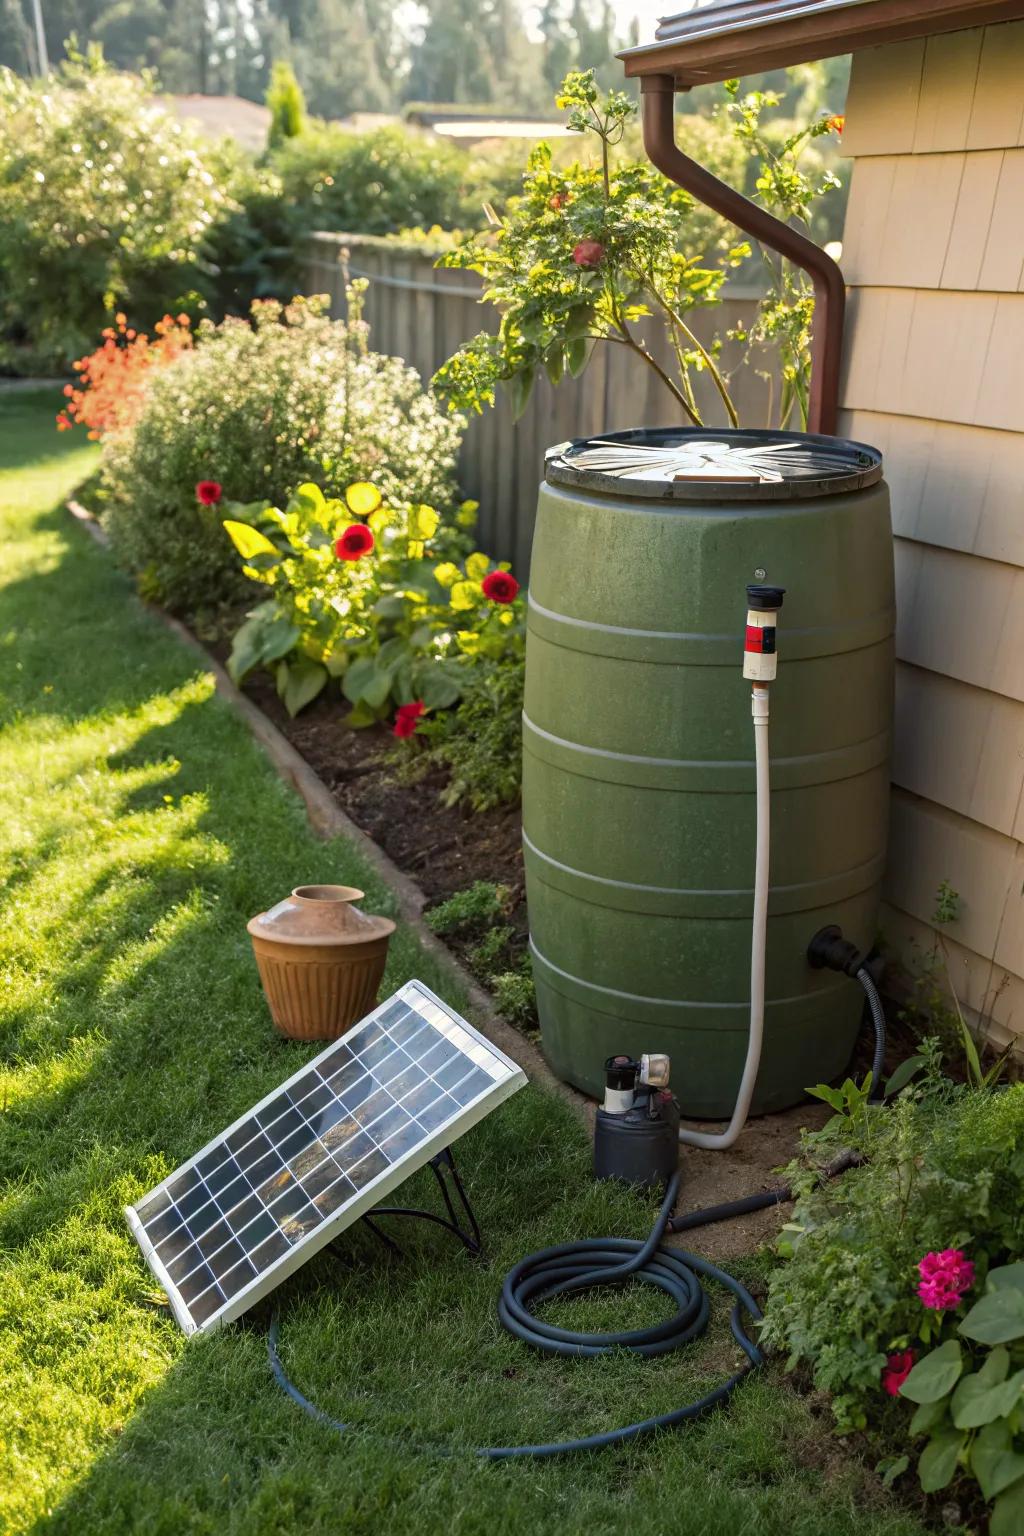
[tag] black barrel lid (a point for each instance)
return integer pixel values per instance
(698, 464)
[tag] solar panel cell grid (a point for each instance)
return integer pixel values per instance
(364, 1107)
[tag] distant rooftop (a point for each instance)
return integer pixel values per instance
(224, 117)
(473, 123)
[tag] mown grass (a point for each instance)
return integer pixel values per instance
(139, 829)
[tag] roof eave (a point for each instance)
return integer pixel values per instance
(761, 44)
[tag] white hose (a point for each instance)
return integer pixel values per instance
(759, 710)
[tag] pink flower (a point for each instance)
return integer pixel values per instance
(945, 1276)
(588, 253)
(897, 1369)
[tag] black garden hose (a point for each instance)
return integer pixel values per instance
(576, 1267)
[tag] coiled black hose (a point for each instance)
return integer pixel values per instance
(878, 1020)
(575, 1267)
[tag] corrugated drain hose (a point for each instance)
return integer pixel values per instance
(572, 1268)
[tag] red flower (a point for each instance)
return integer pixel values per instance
(500, 587)
(355, 541)
(63, 423)
(837, 124)
(209, 492)
(589, 253)
(406, 716)
(897, 1369)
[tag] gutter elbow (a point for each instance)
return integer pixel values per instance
(658, 120)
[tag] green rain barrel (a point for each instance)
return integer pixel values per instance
(638, 793)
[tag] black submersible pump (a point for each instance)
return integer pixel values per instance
(636, 1133)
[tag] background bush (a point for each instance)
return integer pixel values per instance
(390, 179)
(103, 197)
(260, 409)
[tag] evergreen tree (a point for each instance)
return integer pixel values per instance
(286, 103)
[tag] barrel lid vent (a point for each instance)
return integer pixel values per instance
(693, 464)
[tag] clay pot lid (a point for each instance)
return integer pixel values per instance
(320, 914)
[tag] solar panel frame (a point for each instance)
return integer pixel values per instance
(459, 1039)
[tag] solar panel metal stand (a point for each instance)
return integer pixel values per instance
(442, 1165)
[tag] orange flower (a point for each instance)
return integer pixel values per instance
(836, 124)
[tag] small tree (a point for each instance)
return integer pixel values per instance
(287, 104)
(590, 250)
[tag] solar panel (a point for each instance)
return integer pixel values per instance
(308, 1160)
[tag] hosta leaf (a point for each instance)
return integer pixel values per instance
(437, 687)
(1008, 1514)
(983, 1396)
(303, 680)
(938, 1460)
(928, 1415)
(1008, 1277)
(262, 638)
(363, 498)
(997, 1318)
(248, 541)
(357, 676)
(994, 1461)
(934, 1375)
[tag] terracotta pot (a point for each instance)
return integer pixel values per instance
(320, 960)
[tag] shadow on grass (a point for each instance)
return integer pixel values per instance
(139, 828)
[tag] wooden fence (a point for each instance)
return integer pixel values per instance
(423, 314)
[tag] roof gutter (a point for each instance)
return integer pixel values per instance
(657, 105)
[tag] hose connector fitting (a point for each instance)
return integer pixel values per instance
(760, 660)
(828, 950)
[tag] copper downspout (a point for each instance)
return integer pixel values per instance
(658, 113)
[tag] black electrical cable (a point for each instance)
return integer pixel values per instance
(574, 1267)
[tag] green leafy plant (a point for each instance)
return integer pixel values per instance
(968, 1392)
(257, 408)
(516, 996)
(469, 913)
(934, 1007)
(940, 1168)
(589, 251)
(478, 743)
(368, 593)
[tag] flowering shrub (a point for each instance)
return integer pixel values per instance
(261, 408)
(112, 380)
(903, 1281)
(106, 201)
(376, 595)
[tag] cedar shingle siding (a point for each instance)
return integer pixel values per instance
(934, 376)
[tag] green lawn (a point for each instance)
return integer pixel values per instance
(139, 829)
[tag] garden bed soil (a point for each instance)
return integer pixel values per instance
(444, 848)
